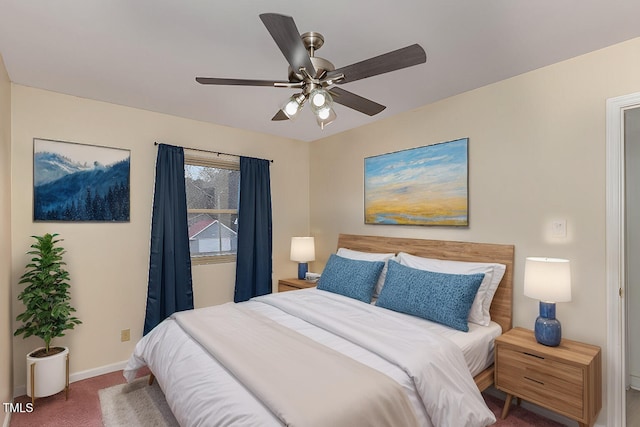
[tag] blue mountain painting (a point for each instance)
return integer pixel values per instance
(65, 190)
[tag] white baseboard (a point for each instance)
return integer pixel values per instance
(21, 390)
(634, 382)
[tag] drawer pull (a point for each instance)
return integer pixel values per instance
(535, 381)
(534, 355)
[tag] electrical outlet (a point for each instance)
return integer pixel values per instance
(125, 335)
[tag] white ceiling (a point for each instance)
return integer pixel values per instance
(146, 53)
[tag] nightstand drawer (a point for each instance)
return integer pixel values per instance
(566, 378)
(285, 288)
(285, 285)
(547, 382)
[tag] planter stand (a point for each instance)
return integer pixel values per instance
(32, 367)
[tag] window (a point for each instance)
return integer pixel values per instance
(213, 187)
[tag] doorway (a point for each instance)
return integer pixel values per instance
(616, 271)
(631, 134)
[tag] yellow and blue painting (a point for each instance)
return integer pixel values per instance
(421, 186)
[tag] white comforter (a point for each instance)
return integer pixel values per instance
(430, 368)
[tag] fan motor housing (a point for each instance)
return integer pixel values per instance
(312, 41)
(320, 64)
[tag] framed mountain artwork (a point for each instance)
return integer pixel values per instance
(79, 182)
(420, 186)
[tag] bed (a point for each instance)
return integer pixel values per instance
(381, 365)
(502, 303)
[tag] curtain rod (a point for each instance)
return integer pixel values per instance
(212, 152)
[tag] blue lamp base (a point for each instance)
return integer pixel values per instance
(303, 267)
(547, 329)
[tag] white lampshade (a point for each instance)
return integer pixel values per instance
(547, 279)
(302, 249)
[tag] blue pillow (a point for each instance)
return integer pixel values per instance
(351, 278)
(439, 297)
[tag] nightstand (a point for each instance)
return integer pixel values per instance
(566, 379)
(294, 284)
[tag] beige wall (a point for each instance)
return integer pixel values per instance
(108, 262)
(6, 384)
(537, 153)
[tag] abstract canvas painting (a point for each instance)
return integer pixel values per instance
(420, 186)
(79, 182)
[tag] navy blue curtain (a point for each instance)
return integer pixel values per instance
(170, 287)
(253, 265)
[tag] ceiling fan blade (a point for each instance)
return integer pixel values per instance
(238, 82)
(358, 103)
(391, 61)
(285, 33)
(280, 115)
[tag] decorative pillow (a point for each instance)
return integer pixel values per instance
(369, 256)
(479, 312)
(351, 278)
(440, 297)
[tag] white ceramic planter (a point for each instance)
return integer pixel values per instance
(50, 374)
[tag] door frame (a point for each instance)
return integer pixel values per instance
(615, 257)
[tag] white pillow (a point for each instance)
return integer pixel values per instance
(369, 256)
(479, 312)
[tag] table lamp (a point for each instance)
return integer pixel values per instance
(547, 280)
(302, 251)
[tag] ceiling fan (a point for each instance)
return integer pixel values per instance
(316, 77)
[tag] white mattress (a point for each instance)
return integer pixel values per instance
(476, 345)
(180, 367)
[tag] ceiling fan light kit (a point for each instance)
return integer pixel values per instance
(320, 99)
(321, 105)
(317, 77)
(293, 105)
(325, 116)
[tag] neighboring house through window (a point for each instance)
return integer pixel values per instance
(212, 186)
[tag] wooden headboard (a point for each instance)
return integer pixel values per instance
(502, 304)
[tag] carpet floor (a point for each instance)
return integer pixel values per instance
(135, 404)
(83, 408)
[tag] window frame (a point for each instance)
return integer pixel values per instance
(230, 163)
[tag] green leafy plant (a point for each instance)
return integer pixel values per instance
(46, 296)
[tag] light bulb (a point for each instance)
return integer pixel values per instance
(319, 99)
(293, 105)
(291, 108)
(324, 113)
(325, 116)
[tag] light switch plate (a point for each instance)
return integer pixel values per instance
(559, 228)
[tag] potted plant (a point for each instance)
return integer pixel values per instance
(47, 315)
